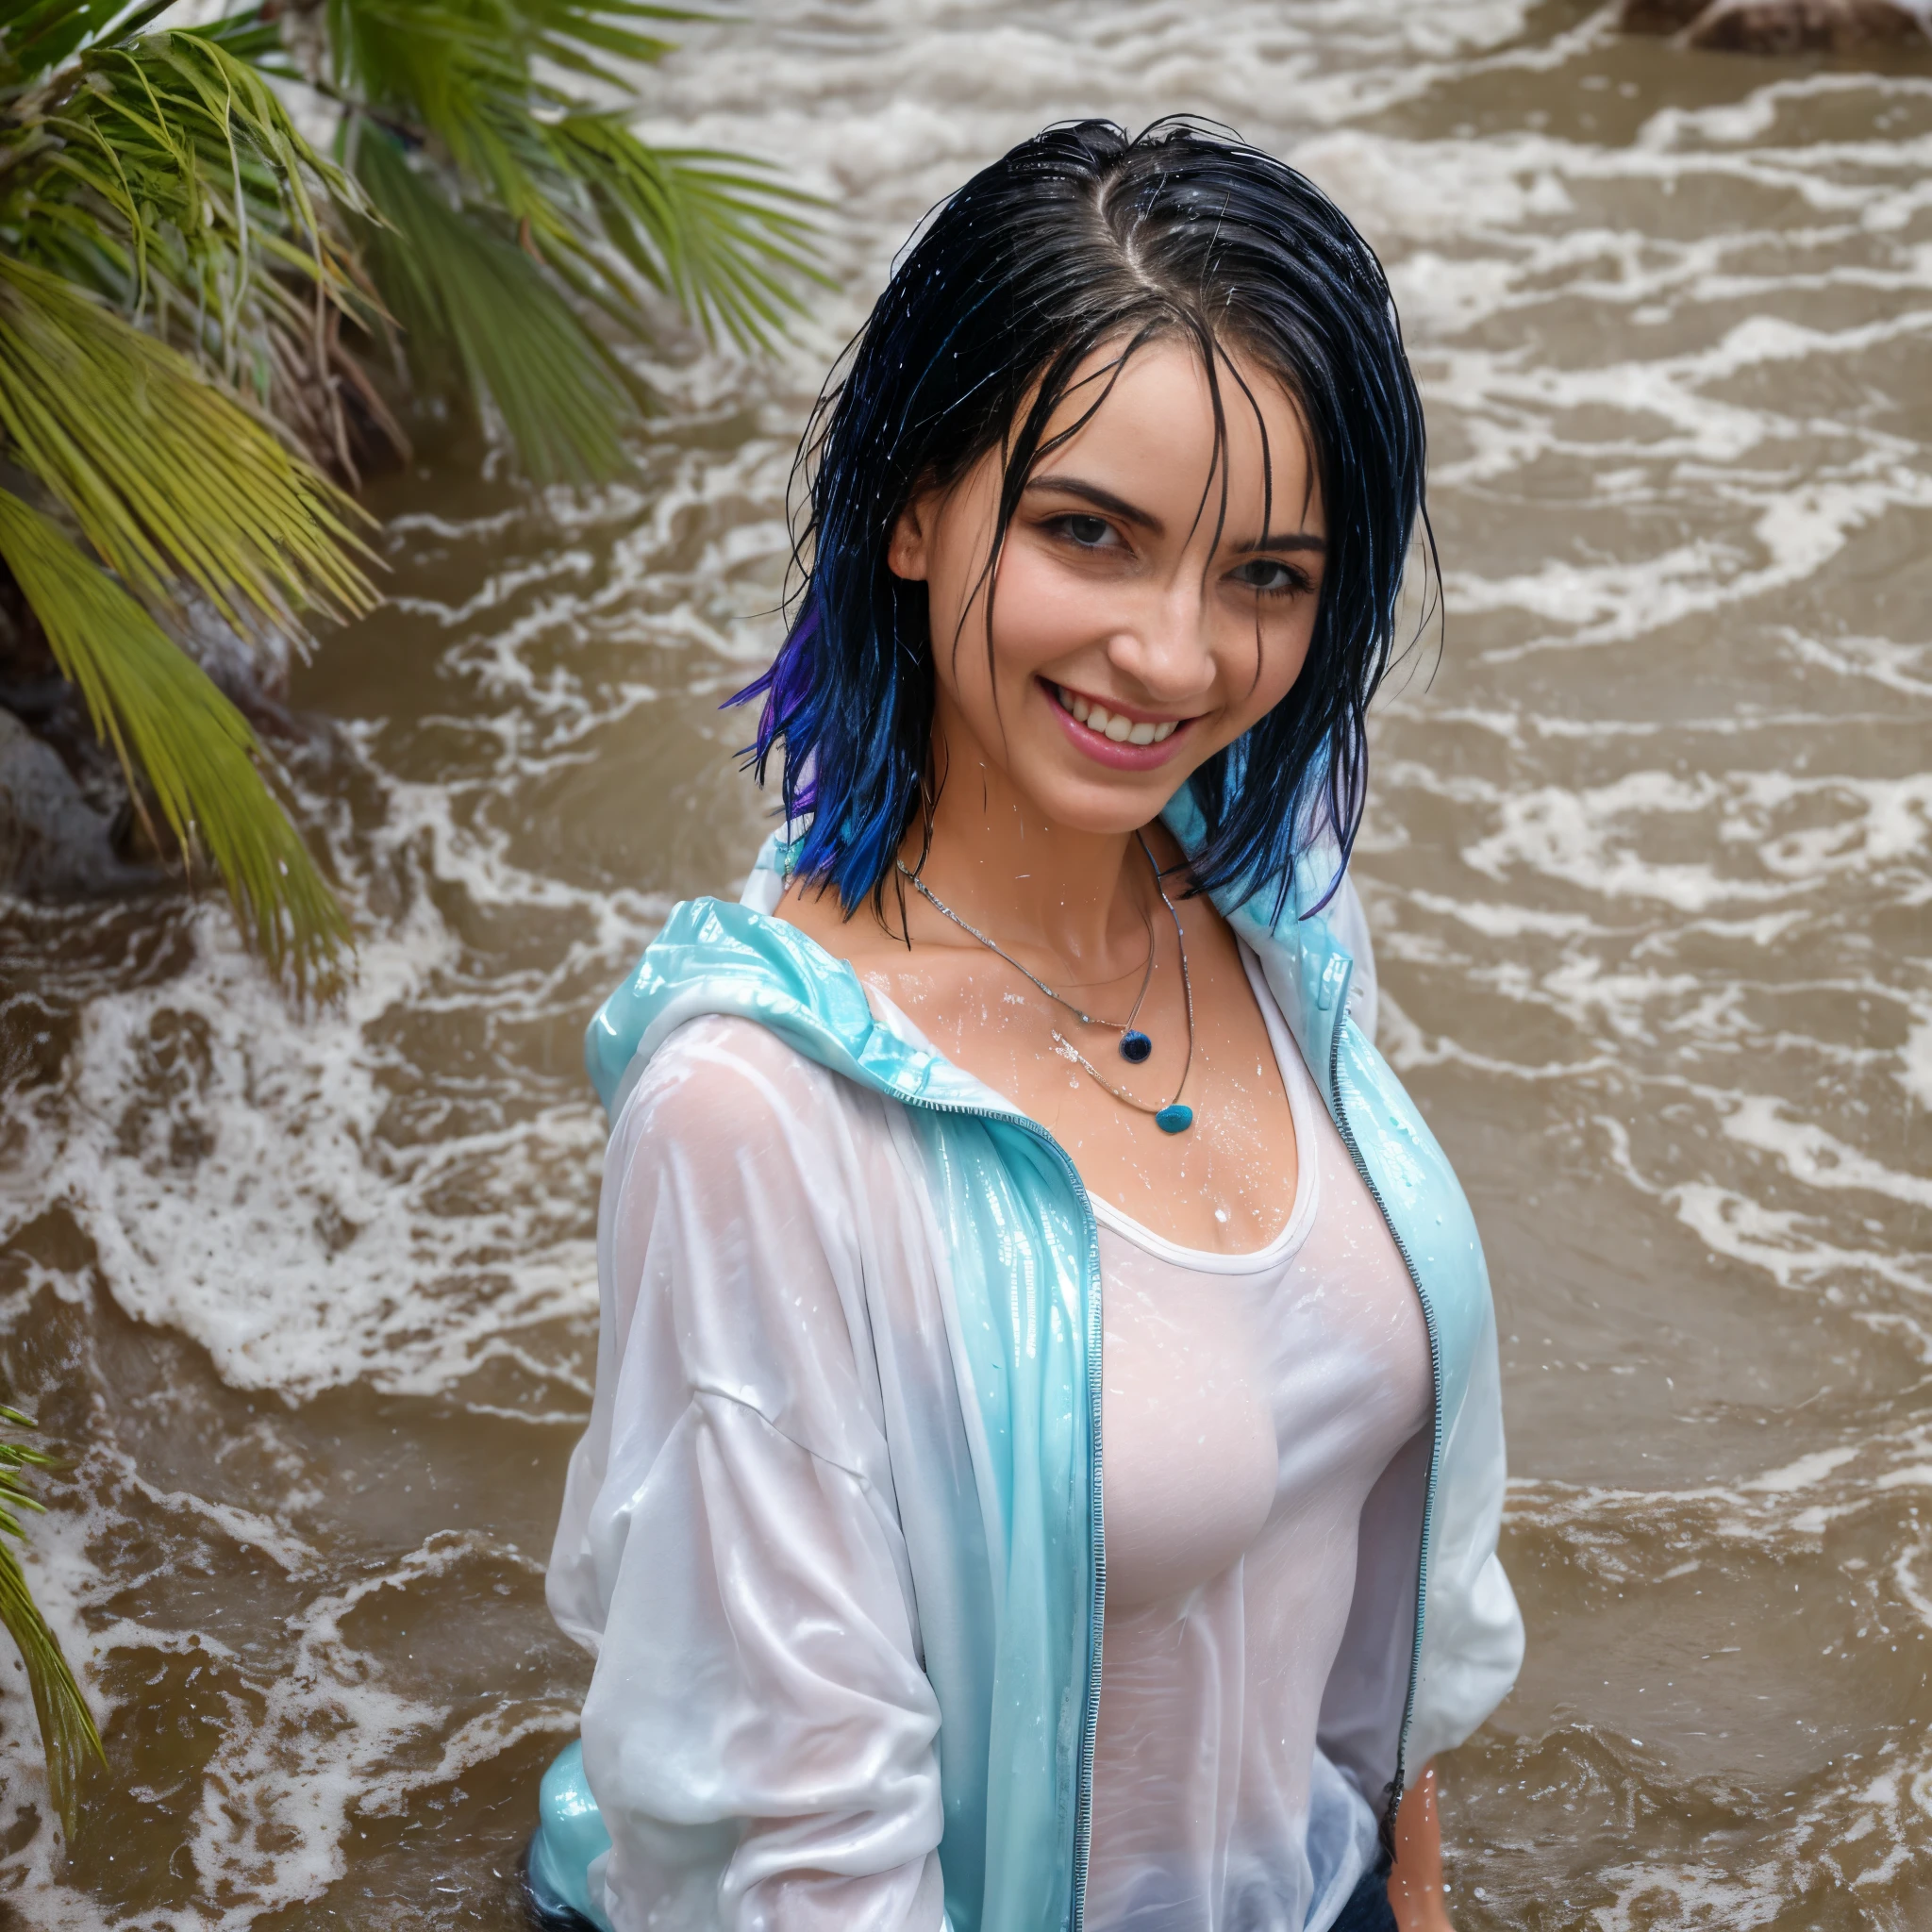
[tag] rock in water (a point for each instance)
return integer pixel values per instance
(51, 839)
(1783, 26)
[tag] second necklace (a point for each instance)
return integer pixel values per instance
(1173, 1117)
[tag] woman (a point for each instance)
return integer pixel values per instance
(1019, 1111)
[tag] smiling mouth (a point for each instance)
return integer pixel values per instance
(1111, 724)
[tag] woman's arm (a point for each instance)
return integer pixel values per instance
(758, 1732)
(1415, 1886)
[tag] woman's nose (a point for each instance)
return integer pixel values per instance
(1166, 649)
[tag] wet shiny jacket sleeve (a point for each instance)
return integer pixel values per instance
(758, 1732)
(1472, 1645)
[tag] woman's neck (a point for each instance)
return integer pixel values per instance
(993, 858)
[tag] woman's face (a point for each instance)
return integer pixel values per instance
(1131, 639)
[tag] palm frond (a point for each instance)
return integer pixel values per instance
(164, 172)
(455, 76)
(168, 477)
(712, 230)
(164, 717)
(188, 286)
(443, 55)
(475, 305)
(463, 84)
(67, 1736)
(38, 35)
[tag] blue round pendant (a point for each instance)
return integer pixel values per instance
(1175, 1119)
(1135, 1046)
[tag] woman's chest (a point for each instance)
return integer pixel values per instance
(1239, 1405)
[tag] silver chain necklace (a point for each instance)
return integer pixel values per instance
(1134, 1045)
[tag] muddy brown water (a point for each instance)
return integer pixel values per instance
(310, 1297)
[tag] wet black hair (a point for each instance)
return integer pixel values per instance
(1081, 239)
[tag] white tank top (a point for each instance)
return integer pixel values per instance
(1252, 1402)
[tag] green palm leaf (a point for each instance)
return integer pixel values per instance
(37, 35)
(168, 477)
(163, 715)
(170, 245)
(443, 57)
(710, 229)
(475, 306)
(164, 172)
(67, 1736)
(469, 88)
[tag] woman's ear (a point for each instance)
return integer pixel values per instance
(906, 555)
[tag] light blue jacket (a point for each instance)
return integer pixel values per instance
(1017, 1686)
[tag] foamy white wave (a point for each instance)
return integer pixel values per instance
(1802, 1473)
(1496, 231)
(1904, 668)
(921, 100)
(322, 1738)
(1794, 1249)
(264, 1181)
(240, 1168)
(332, 1737)
(1751, 119)
(1498, 920)
(1407, 1048)
(306, 1250)
(1790, 1247)
(1799, 529)
(1620, 1534)
(1585, 838)
(1809, 1154)
(1915, 1064)
(1840, 1844)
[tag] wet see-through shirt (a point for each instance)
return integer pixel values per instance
(1251, 1405)
(774, 1372)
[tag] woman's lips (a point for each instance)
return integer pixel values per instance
(1108, 736)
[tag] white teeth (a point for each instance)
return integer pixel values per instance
(1098, 719)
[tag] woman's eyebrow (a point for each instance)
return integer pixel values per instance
(1285, 540)
(1100, 499)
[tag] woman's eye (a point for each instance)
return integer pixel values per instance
(1269, 576)
(1089, 533)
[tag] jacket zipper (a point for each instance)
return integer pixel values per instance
(1089, 1719)
(1422, 1582)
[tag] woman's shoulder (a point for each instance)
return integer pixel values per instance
(725, 1104)
(724, 1077)
(743, 1191)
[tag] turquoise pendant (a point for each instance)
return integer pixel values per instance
(1175, 1119)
